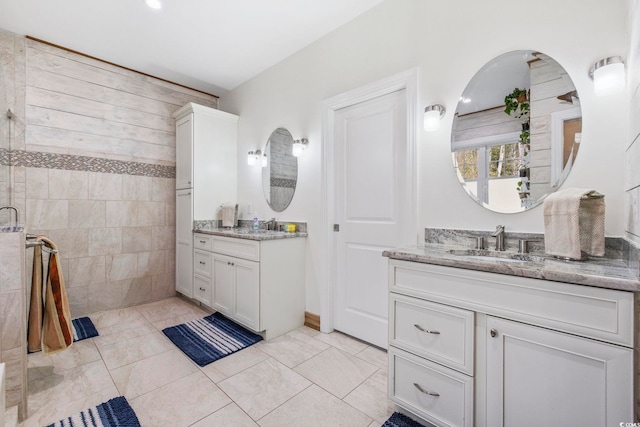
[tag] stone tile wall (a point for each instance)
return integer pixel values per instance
(13, 351)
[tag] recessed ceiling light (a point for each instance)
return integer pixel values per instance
(154, 4)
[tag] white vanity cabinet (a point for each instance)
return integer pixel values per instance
(471, 348)
(202, 269)
(237, 289)
(206, 141)
(260, 284)
(184, 242)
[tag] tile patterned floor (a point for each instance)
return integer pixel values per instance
(303, 378)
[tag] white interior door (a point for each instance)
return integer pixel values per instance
(372, 175)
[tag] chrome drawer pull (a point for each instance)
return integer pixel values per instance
(203, 241)
(202, 262)
(202, 289)
(430, 393)
(420, 328)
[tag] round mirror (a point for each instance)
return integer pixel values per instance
(516, 131)
(280, 175)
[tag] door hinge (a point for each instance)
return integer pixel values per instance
(336, 227)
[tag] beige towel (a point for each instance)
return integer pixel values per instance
(574, 223)
(52, 330)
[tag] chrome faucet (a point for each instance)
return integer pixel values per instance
(271, 224)
(499, 235)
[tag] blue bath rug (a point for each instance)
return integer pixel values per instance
(210, 338)
(83, 328)
(115, 413)
(400, 420)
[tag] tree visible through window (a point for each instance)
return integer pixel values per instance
(503, 161)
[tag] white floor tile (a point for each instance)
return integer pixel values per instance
(180, 403)
(315, 407)
(263, 387)
(336, 371)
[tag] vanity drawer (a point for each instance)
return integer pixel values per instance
(413, 378)
(203, 289)
(602, 314)
(202, 241)
(438, 332)
(202, 263)
(239, 248)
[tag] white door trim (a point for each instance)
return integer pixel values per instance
(407, 80)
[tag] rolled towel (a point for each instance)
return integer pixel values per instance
(574, 223)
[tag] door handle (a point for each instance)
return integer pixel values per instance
(494, 333)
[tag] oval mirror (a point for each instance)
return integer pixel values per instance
(516, 131)
(280, 175)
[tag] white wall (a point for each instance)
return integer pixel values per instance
(449, 42)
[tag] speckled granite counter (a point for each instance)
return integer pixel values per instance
(603, 273)
(248, 233)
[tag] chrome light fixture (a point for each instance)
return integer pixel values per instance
(265, 160)
(253, 157)
(299, 147)
(608, 75)
(432, 116)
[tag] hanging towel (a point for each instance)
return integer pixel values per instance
(574, 223)
(36, 303)
(55, 331)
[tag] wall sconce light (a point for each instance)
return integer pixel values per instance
(265, 160)
(608, 75)
(299, 147)
(154, 4)
(253, 156)
(432, 116)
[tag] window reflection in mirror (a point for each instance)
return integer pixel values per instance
(516, 131)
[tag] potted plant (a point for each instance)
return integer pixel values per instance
(517, 102)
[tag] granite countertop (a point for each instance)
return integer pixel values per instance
(599, 272)
(248, 233)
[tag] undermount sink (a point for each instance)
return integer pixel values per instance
(497, 256)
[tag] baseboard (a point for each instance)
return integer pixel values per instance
(312, 320)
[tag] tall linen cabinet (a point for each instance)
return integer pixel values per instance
(206, 171)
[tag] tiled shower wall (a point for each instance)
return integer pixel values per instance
(93, 167)
(13, 348)
(632, 172)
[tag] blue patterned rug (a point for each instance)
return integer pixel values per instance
(210, 338)
(400, 420)
(83, 328)
(115, 413)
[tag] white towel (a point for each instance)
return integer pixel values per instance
(574, 223)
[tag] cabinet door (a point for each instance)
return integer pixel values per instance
(247, 305)
(184, 243)
(224, 279)
(184, 152)
(540, 377)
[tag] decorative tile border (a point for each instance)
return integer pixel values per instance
(283, 182)
(36, 159)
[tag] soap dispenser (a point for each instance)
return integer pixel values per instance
(256, 223)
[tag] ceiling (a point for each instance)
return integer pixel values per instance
(210, 45)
